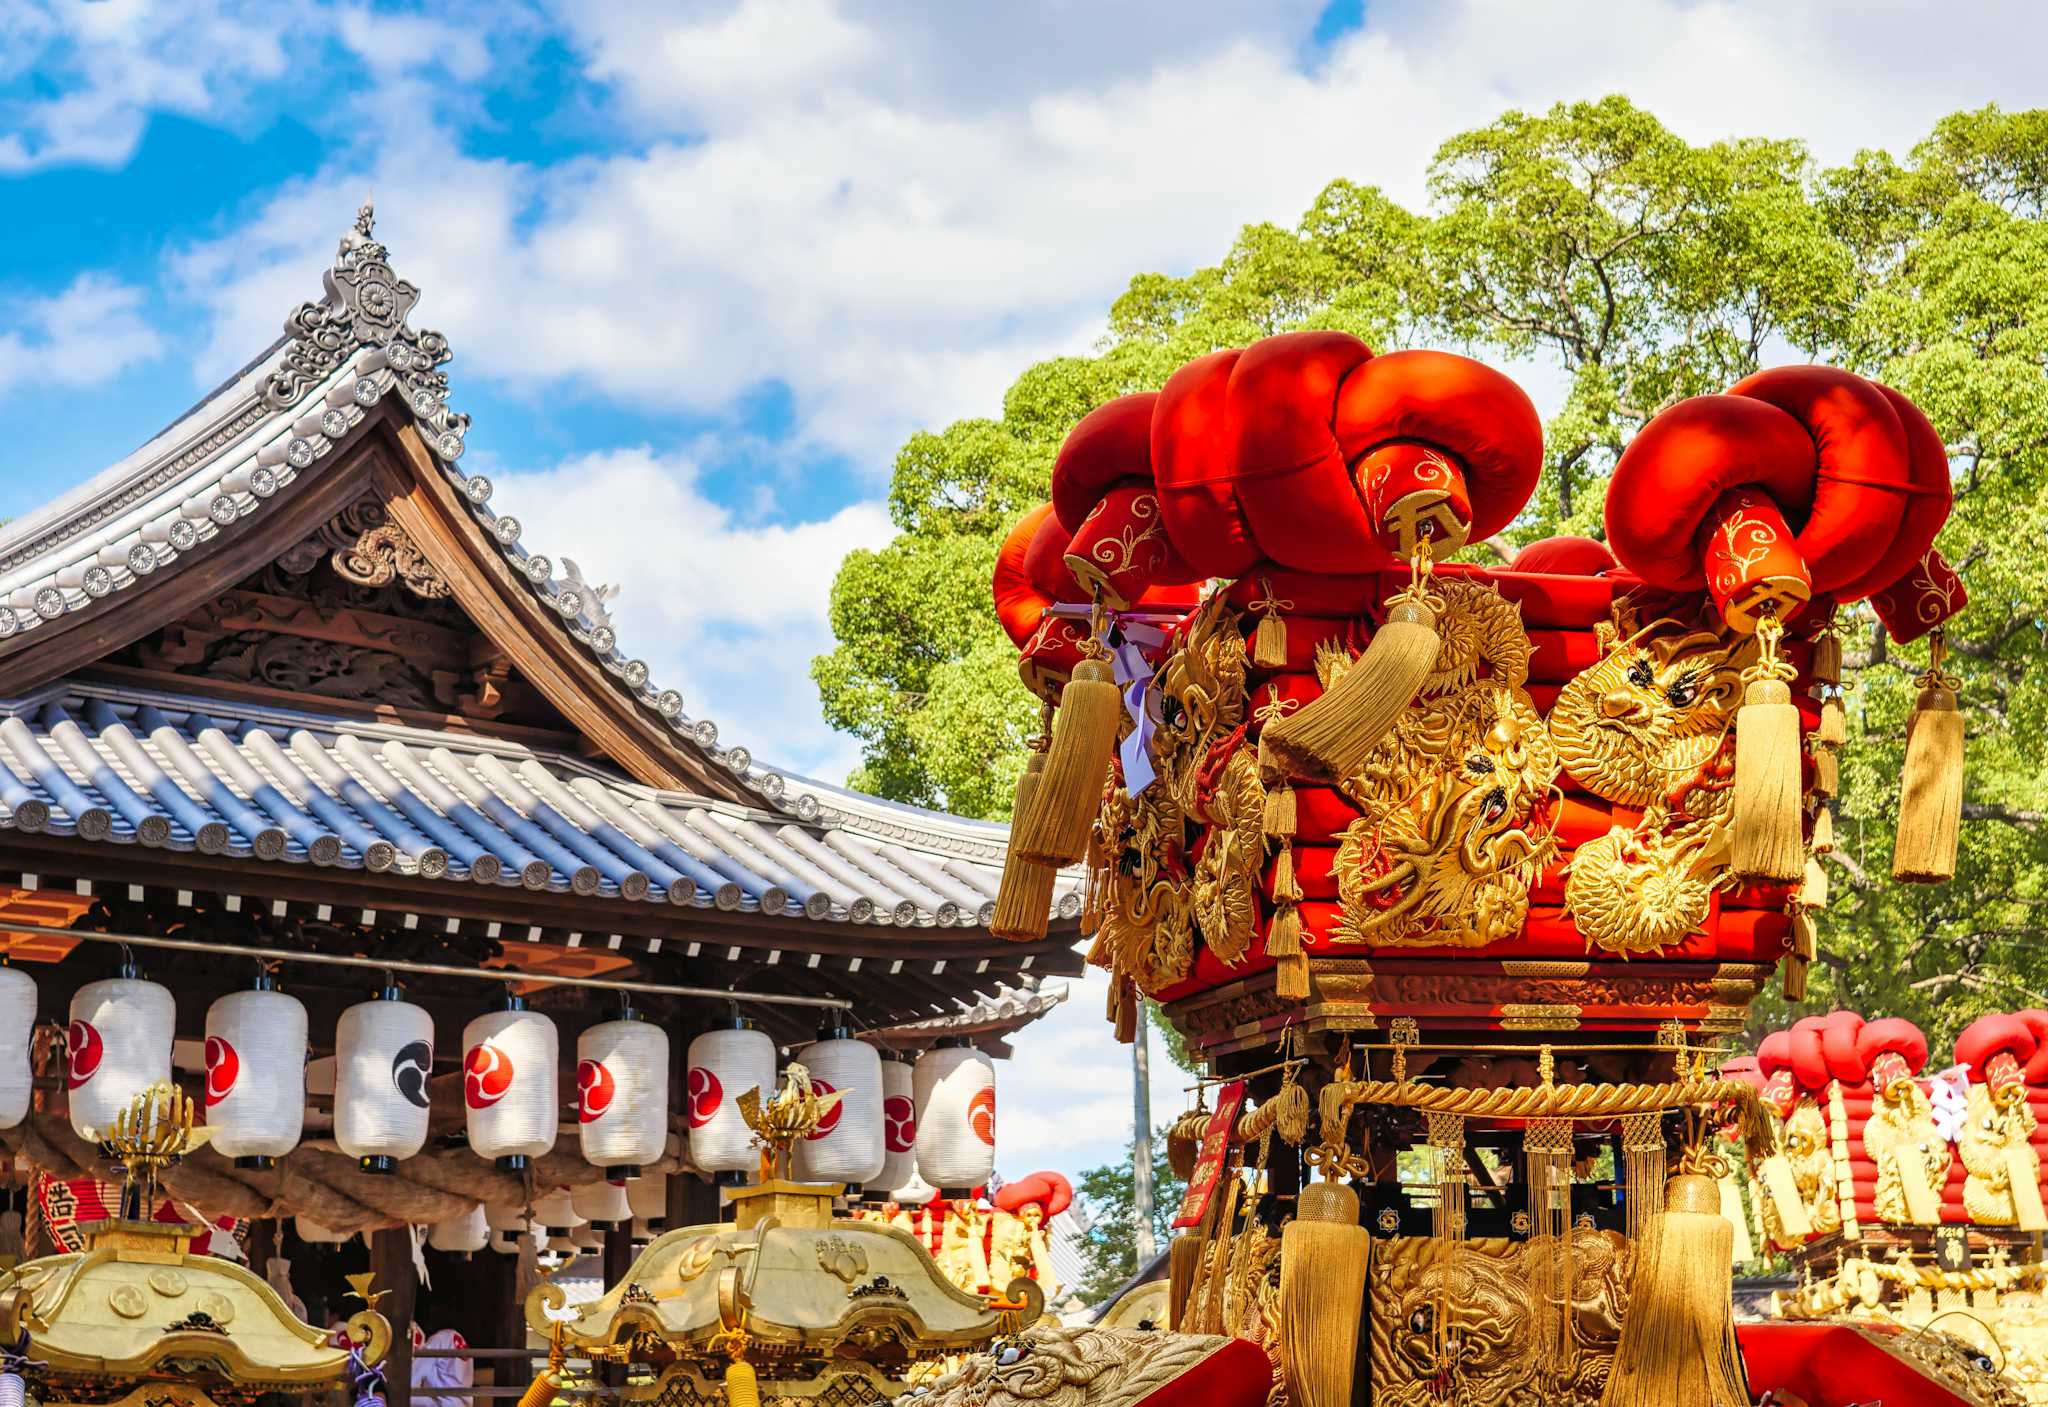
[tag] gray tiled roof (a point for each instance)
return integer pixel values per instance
(127, 767)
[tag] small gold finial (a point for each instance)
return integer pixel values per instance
(794, 1113)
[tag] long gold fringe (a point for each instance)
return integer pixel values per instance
(1183, 1262)
(1024, 897)
(1323, 1258)
(1329, 739)
(1547, 1151)
(1053, 830)
(1931, 791)
(1678, 1339)
(1642, 1153)
(1447, 1141)
(1766, 810)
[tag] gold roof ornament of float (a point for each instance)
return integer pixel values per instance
(139, 1316)
(787, 1302)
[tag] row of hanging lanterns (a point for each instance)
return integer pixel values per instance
(897, 1125)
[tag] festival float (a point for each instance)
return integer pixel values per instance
(330, 800)
(1460, 866)
(1909, 1197)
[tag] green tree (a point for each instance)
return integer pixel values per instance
(1592, 239)
(1110, 1249)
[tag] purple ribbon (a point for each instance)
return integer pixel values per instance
(1138, 632)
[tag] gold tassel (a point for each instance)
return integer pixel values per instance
(1184, 1142)
(1642, 1151)
(1281, 815)
(742, 1386)
(1827, 656)
(1330, 738)
(1283, 941)
(1053, 830)
(1183, 1260)
(1767, 810)
(1931, 794)
(1323, 1258)
(1813, 888)
(1794, 978)
(1269, 640)
(1286, 890)
(1833, 730)
(1823, 841)
(1678, 1339)
(1827, 773)
(1024, 897)
(1126, 998)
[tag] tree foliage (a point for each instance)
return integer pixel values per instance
(1110, 1249)
(1591, 242)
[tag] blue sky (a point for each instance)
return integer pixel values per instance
(705, 265)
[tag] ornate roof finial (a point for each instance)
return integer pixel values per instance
(366, 217)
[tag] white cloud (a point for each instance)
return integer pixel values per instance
(1064, 1100)
(89, 333)
(846, 213)
(725, 611)
(120, 61)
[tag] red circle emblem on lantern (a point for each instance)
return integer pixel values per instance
(830, 1119)
(981, 1115)
(83, 1051)
(899, 1123)
(597, 1088)
(706, 1094)
(223, 1067)
(486, 1076)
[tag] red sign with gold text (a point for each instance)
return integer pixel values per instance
(1215, 1154)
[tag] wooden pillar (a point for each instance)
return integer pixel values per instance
(692, 1201)
(391, 1260)
(510, 1331)
(262, 1244)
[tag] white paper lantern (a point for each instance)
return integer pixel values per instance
(119, 1044)
(461, 1234)
(647, 1195)
(913, 1192)
(955, 1087)
(725, 1064)
(256, 1074)
(383, 1054)
(17, 1026)
(848, 1146)
(586, 1239)
(602, 1203)
(314, 1234)
(622, 1094)
(507, 1225)
(556, 1211)
(510, 1084)
(899, 1127)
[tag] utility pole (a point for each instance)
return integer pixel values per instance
(1141, 1141)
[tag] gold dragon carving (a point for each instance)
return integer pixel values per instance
(1901, 1126)
(1049, 1366)
(1649, 726)
(1488, 1353)
(1456, 800)
(1998, 1124)
(1153, 895)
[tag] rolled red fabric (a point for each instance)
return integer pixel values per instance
(1838, 1033)
(1892, 1048)
(1193, 465)
(1996, 1046)
(1565, 556)
(1809, 1061)
(2036, 1071)
(1923, 599)
(1106, 501)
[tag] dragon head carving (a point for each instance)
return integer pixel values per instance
(1651, 713)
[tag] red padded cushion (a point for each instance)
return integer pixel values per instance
(1109, 445)
(1996, 1033)
(1292, 477)
(1834, 1365)
(1566, 556)
(1893, 1035)
(1838, 1033)
(1238, 1374)
(1192, 463)
(1480, 419)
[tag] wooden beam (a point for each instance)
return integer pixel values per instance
(420, 499)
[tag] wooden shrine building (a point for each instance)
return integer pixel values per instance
(285, 680)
